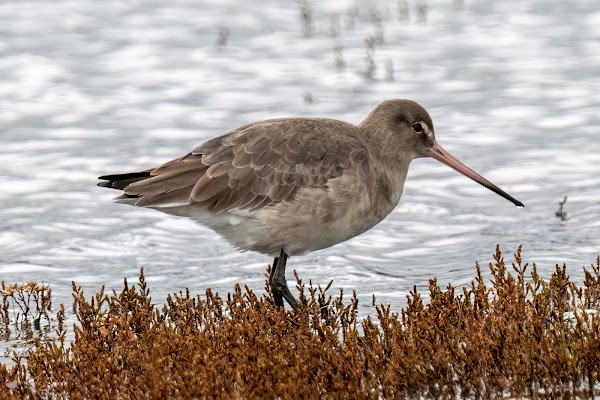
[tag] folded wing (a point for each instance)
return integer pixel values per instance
(251, 167)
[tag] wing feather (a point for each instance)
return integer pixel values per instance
(178, 196)
(207, 187)
(218, 169)
(253, 166)
(242, 159)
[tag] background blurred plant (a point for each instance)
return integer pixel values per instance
(561, 213)
(25, 304)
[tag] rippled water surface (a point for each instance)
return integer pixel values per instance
(89, 88)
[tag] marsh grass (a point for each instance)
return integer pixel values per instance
(510, 334)
(24, 307)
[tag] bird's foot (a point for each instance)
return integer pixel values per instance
(278, 283)
(281, 291)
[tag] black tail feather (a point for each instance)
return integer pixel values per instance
(120, 181)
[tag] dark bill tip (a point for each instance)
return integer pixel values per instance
(438, 152)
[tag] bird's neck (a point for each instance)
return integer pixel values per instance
(389, 162)
(387, 182)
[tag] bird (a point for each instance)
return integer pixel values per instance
(289, 186)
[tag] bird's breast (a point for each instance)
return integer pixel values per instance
(318, 218)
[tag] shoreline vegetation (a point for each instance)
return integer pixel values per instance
(509, 333)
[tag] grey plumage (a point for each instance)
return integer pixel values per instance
(252, 167)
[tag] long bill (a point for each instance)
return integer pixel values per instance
(438, 152)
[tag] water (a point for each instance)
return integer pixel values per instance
(90, 88)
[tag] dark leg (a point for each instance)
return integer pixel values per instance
(275, 261)
(276, 295)
(278, 284)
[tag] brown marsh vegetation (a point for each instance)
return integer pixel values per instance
(511, 333)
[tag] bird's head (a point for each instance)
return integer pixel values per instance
(402, 129)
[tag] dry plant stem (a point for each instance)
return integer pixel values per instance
(561, 213)
(307, 18)
(32, 299)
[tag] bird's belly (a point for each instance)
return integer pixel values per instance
(238, 227)
(312, 235)
(315, 219)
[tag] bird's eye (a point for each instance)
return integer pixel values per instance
(418, 127)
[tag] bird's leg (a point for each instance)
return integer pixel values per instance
(276, 295)
(275, 261)
(278, 284)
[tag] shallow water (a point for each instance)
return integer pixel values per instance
(90, 88)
